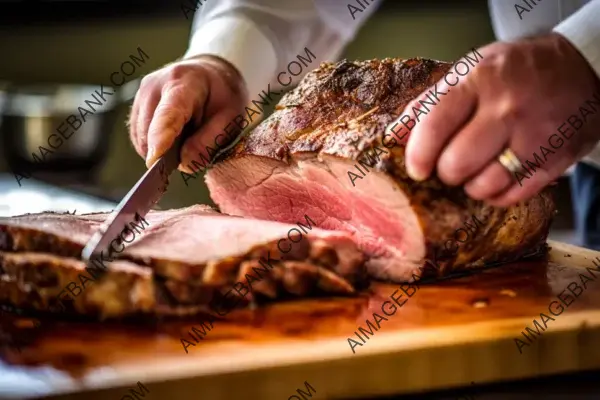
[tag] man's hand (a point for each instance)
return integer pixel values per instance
(205, 90)
(519, 95)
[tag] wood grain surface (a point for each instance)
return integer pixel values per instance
(447, 334)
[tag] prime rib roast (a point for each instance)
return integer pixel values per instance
(294, 164)
(298, 160)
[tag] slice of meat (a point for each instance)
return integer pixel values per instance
(180, 262)
(35, 280)
(323, 152)
(287, 280)
(66, 234)
(38, 280)
(211, 248)
(194, 245)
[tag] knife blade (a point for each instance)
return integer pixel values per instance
(140, 199)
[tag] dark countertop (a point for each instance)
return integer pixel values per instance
(582, 385)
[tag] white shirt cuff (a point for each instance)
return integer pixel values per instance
(582, 29)
(239, 41)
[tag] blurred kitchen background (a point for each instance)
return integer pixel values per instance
(54, 54)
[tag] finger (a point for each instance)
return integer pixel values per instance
(177, 104)
(139, 100)
(522, 189)
(472, 149)
(131, 123)
(207, 141)
(430, 135)
(144, 118)
(538, 173)
(491, 182)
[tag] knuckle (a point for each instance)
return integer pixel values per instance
(175, 93)
(147, 82)
(177, 72)
(167, 110)
(170, 118)
(497, 55)
(496, 61)
(176, 108)
(486, 185)
(510, 110)
(482, 72)
(451, 167)
(474, 192)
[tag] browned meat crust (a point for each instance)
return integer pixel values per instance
(35, 280)
(142, 282)
(337, 103)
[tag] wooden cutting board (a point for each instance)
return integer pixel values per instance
(447, 334)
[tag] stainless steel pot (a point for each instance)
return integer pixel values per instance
(31, 114)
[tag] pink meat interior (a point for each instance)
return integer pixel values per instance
(375, 212)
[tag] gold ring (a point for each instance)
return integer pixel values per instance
(510, 161)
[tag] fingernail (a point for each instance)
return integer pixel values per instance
(150, 156)
(415, 174)
(185, 169)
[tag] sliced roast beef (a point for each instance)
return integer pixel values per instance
(35, 280)
(197, 248)
(322, 152)
(193, 245)
(182, 259)
(38, 281)
(67, 234)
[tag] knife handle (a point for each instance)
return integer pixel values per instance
(187, 131)
(172, 157)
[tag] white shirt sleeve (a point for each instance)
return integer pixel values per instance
(582, 29)
(261, 37)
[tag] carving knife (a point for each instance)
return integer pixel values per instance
(139, 200)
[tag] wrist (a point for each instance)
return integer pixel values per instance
(230, 74)
(582, 31)
(243, 43)
(574, 55)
